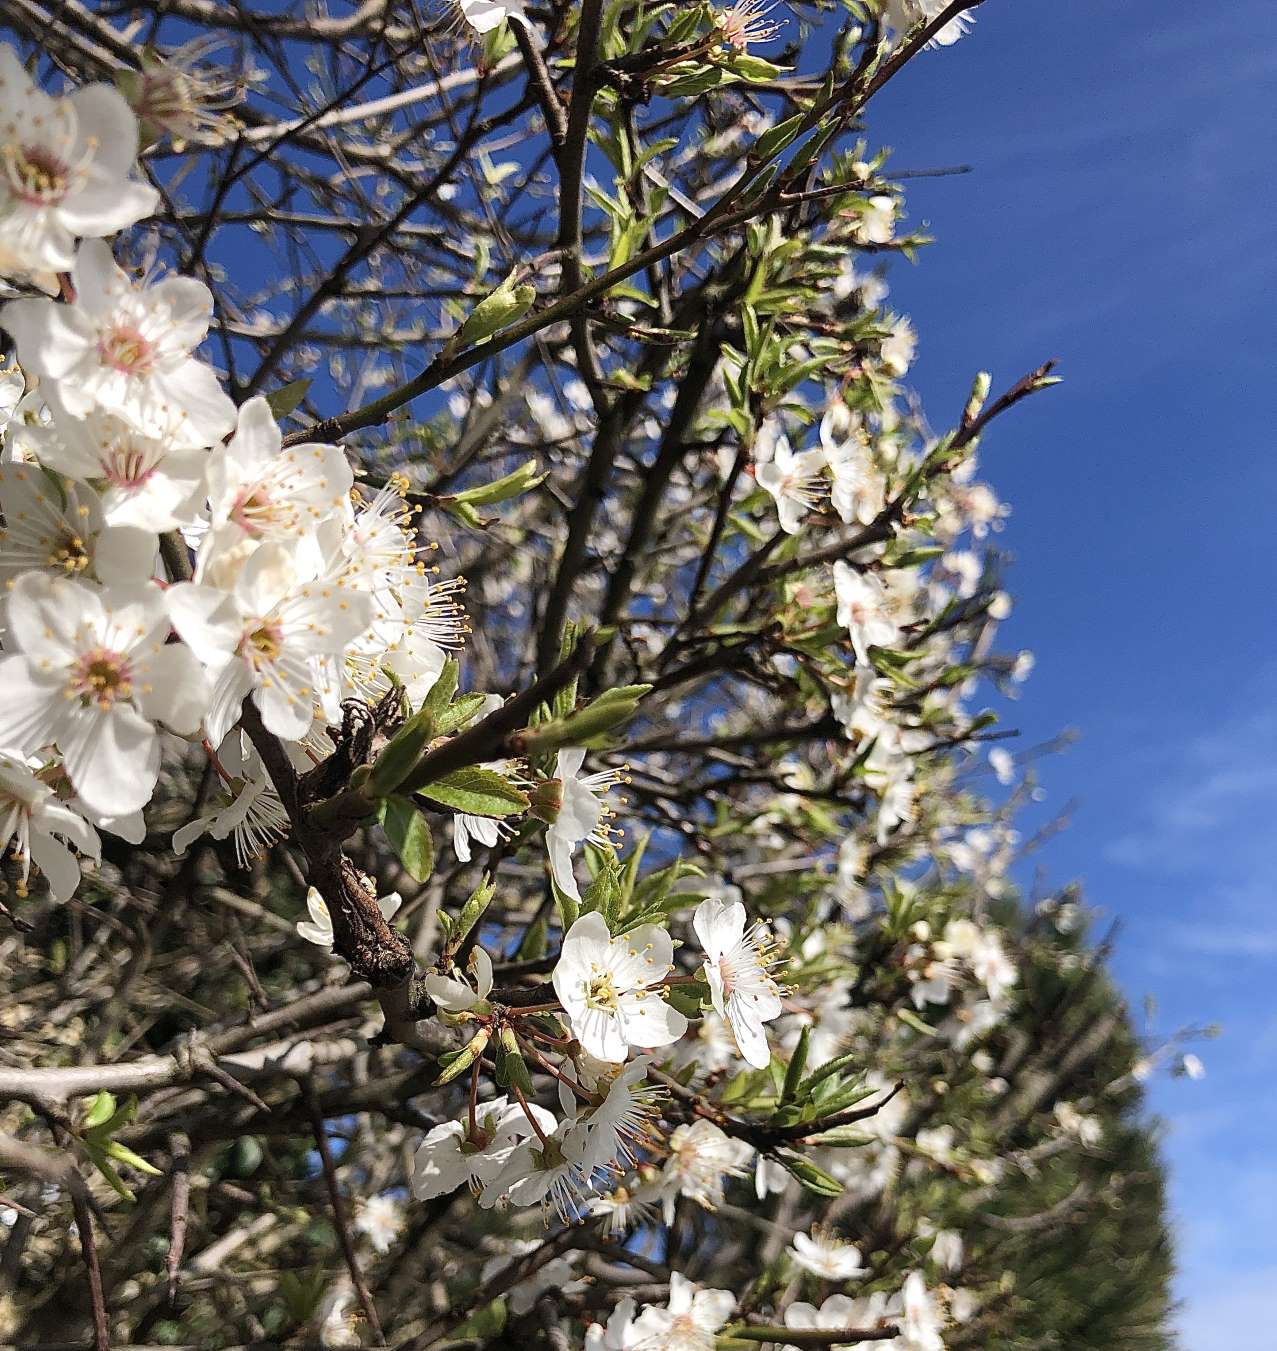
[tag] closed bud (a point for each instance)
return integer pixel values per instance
(466, 1057)
(976, 399)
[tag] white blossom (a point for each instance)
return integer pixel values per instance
(58, 527)
(582, 816)
(450, 1156)
(701, 1159)
(902, 15)
(618, 1334)
(838, 1311)
(794, 481)
(145, 477)
(824, 1255)
(319, 928)
(863, 609)
(558, 1275)
(93, 675)
(736, 966)
(455, 995)
(610, 988)
(877, 223)
(922, 1317)
(546, 1169)
(265, 636)
(379, 1219)
(37, 829)
(250, 811)
(617, 1126)
(898, 348)
(64, 172)
(690, 1320)
(485, 15)
(258, 490)
(126, 347)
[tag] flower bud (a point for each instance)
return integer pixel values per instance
(465, 1057)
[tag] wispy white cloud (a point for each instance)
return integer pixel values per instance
(1212, 940)
(1210, 803)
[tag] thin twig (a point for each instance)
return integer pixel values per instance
(340, 1218)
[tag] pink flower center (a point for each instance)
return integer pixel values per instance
(124, 349)
(38, 176)
(124, 465)
(254, 511)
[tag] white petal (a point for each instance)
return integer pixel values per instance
(207, 620)
(560, 851)
(651, 1022)
(195, 389)
(231, 686)
(57, 863)
(50, 339)
(112, 756)
(29, 708)
(124, 555)
(108, 127)
(189, 304)
(176, 692)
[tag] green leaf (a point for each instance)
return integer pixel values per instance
(484, 1325)
(123, 1154)
(473, 910)
(302, 1293)
(246, 1157)
(476, 792)
(843, 1137)
(522, 480)
(797, 1063)
(604, 892)
(440, 694)
(841, 1099)
(459, 712)
(911, 1019)
(512, 1069)
(776, 138)
(689, 1000)
(754, 68)
(456, 1063)
(535, 941)
(587, 726)
(409, 835)
(813, 1178)
(117, 1184)
(101, 1110)
(501, 308)
(401, 753)
(569, 909)
(697, 81)
(286, 398)
(827, 1070)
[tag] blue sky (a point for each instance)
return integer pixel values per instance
(1121, 217)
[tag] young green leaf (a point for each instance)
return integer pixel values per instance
(409, 836)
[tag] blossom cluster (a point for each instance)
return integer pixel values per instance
(170, 564)
(123, 453)
(183, 581)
